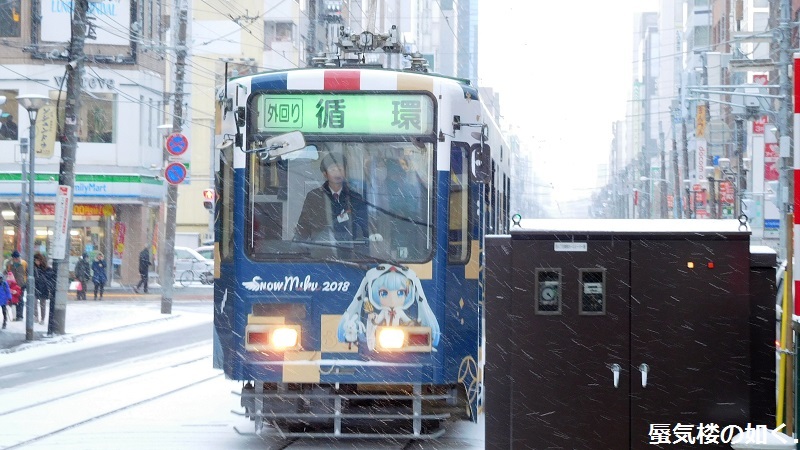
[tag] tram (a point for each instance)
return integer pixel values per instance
(360, 312)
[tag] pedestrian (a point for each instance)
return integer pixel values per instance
(5, 298)
(83, 272)
(144, 270)
(19, 267)
(45, 286)
(16, 294)
(99, 276)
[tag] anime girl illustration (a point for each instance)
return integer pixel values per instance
(390, 292)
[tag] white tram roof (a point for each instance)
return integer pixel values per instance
(630, 226)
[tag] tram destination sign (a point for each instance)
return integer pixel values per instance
(345, 113)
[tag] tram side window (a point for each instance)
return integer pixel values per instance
(459, 210)
(224, 223)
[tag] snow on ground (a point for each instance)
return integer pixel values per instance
(90, 324)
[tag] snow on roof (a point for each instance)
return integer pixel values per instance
(620, 226)
(762, 249)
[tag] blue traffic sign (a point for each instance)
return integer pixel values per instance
(177, 144)
(175, 173)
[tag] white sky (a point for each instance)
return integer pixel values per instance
(564, 72)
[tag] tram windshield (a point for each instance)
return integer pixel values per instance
(351, 201)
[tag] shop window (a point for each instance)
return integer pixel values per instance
(10, 18)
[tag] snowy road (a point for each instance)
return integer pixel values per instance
(126, 399)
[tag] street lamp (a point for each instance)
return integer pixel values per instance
(32, 103)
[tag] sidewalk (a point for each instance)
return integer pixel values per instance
(121, 307)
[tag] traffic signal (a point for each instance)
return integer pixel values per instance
(208, 198)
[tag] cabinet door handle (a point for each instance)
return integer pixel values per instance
(615, 368)
(644, 368)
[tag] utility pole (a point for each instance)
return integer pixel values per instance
(685, 150)
(786, 187)
(172, 190)
(69, 146)
(677, 203)
(662, 182)
(785, 180)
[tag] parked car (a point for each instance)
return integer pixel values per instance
(189, 259)
(207, 251)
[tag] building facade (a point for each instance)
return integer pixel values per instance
(118, 185)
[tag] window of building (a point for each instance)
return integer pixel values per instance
(98, 117)
(9, 123)
(702, 36)
(283, 31)
(10, 18)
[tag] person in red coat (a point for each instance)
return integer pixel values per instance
(16, 293)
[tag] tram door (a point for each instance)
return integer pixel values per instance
(571, 368)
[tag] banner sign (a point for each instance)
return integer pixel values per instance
(63, 202)
(119, 239)
(46, 128)
(701, 154)
(49, 209)
(700, 121)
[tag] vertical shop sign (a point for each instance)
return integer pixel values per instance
(63, 208)
(119, 239)
(46, 128)
(771, 156)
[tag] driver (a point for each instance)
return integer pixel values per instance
(333, 207)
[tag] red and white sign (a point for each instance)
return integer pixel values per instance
(726, 192)
(759, 125)
(63, 209)
(771, 157)
(49, 209)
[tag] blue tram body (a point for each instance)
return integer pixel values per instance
(385, 309)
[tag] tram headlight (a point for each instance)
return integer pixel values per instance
(284, 338)
(266, 337)
(404, 339)
(391, 338)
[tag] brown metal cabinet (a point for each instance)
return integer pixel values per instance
(569, 346)
(577, 319)
(690, 333)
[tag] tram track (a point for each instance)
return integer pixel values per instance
(113, 391)
(86, 390)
